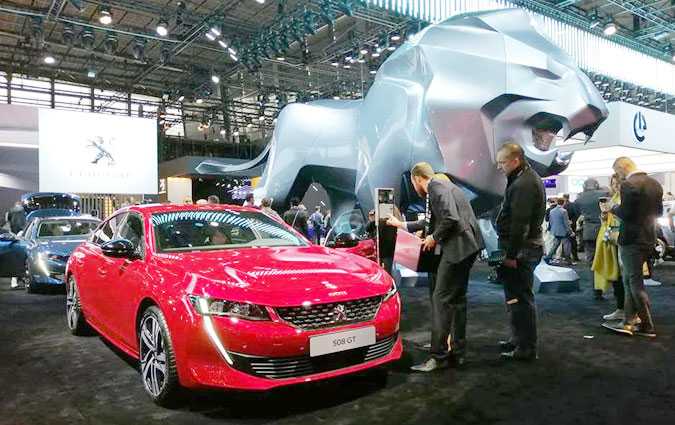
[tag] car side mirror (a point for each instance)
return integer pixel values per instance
(346, 240)
(8, 237)
(119, 248)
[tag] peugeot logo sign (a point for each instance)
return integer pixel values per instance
(339, 314)
(639, 126)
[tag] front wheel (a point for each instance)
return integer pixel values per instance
(157, 360)
(27, 279)
(74, 316)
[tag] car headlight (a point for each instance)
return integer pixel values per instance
(663, 221)
(51, 257)
(216, 307)
(392, 291)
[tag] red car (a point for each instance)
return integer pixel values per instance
(226, 297)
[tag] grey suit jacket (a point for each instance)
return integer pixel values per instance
(560, 222)
(453, 223)
(588, 203)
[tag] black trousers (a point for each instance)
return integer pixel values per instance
(619, 293)
(636, 301)
(448, 307)
(520, 304)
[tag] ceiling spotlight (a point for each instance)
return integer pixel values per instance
(181, 98)
(222, 132)
(373, 72)
(105, 15)
(395, 37)
(110, 43)
(376, 54)
(215, 78)
(361, 60)
(260, 1)
(162, 28)
(363, 51)
(261, 118)
(68, 34)
(210, 36)
(346, 66)
(91, 72)
(610, 29)
(281, 58)
(49, 59)
(391, 48)
(199, 100)
(336, 97)
(138, 49)
(88, 39)
(223, 44)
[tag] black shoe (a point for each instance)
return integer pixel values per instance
(642, 331)
(506, 346)
(520, 354)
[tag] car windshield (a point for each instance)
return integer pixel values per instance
(66, 228)
(219, 229)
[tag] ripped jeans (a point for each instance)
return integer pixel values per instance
(519, 298)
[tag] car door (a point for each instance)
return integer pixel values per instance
(92, 279)
(124, 282)
(12, 255)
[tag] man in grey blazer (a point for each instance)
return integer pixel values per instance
(453, 230)
(562, 231)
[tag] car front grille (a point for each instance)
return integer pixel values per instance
(332, 314)
(293, 367)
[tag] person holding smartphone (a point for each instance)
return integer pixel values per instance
(605, 267)
(588, 204)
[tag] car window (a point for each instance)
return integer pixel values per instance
(348, 222)
(132, 230)
(64, 228)
(219, 229)
(106, 232)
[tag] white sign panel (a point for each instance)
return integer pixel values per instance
(97, 153)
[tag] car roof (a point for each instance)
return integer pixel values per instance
(69, 217)
(167, 208)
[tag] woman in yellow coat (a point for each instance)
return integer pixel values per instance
(606, 263)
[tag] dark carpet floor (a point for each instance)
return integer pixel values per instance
(585, 375)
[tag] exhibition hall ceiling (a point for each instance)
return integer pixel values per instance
(243, 48)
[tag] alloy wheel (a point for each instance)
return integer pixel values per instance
(153, 356)
(73, 307)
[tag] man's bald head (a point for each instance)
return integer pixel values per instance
(623, 166)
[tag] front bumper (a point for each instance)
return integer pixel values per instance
(48, 272)
(267, 354)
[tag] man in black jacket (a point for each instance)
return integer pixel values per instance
(297, 217)
(519, 228)
(453, 230)
(641, 204)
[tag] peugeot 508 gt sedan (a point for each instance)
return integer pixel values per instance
(226, 297)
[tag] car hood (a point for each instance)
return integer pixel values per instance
(280, 276)
(59, 247)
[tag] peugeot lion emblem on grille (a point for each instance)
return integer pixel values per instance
(339, 313)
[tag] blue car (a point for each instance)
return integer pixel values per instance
(48, 242)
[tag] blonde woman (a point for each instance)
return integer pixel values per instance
(605, 267)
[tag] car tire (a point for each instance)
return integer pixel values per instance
(27, 279)
(74, 315)
(157, 362)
